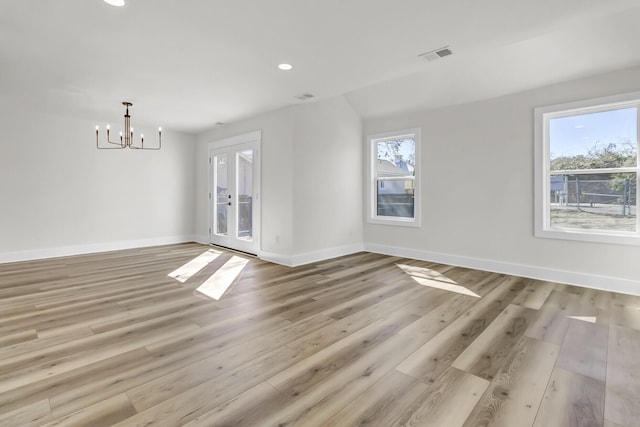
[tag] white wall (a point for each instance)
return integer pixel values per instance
(61, 196)
(311, 180)
(477, 191)
(327, 171)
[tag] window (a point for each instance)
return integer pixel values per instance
(394, 178)
(587, 170)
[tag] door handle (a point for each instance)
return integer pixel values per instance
(229, 203)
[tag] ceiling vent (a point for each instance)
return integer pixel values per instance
(437, 54)
(304, 96)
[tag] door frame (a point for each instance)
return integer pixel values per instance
(251, 140)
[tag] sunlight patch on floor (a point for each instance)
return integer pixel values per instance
(590, 319)
(216, 285)
(433, 279)
(191, 268)
(425, 273)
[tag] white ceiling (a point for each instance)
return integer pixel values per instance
(191, 63)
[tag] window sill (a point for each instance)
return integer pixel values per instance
(593, 236)
(398, 222)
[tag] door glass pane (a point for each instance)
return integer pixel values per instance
(244, 182)
(222, 194)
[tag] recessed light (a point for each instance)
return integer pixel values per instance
(285, 67)
(115, 2)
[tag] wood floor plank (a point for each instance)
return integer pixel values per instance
(485, 356)
(47, 322)
(190, 404)
(178, 381)
(247, 409)
(534, 294)
(18, 337)
(41, 370)
(177, 310)
(89, 383)
(326, 362)
(339, 329)
(552, 321)
(434, 357)
(218, 336)
(316, 405)
(363, 339)
(106, 291)
(627, 316)
(33, 414)
(430, 324)
(432, 298)
(584, 349)
(105, 413)
(41, 344)
(514, 395)
(571, 400)
(302, 286)
(447, 402)
(383, 404)
(623, 379)
(344, 309)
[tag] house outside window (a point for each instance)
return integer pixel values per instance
(393, 196)
(587, 170)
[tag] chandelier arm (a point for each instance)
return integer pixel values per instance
(145, 148)
(142, 147)
(114, 143)
(106, 148)
(110, 148)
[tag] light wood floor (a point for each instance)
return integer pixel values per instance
(109, 339)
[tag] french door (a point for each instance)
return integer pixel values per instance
(234, 196)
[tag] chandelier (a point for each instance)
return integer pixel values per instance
(126, 140)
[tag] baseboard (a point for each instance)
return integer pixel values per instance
(201, 239)
(286, 260)
(604, 283)
(309, 257)
(28, 255)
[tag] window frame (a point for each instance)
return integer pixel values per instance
(542, 116)
(371, 152)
